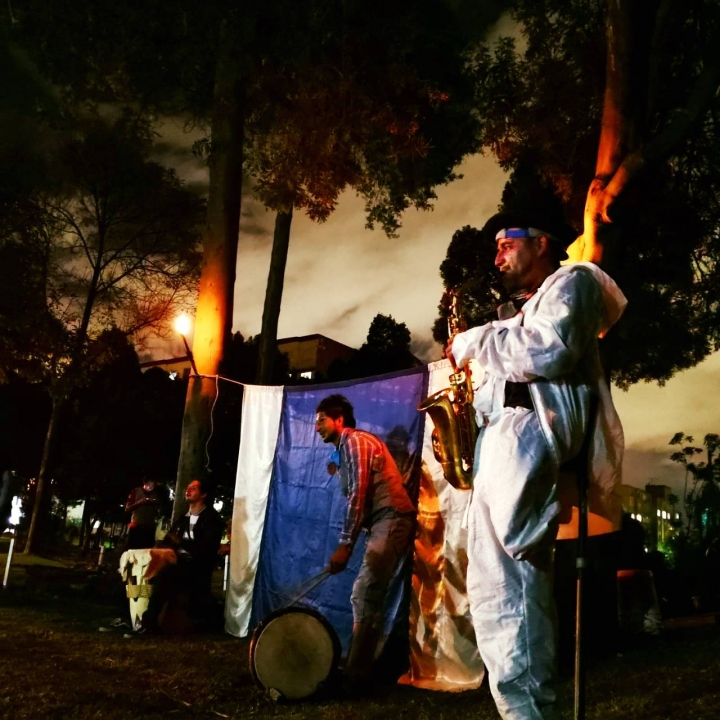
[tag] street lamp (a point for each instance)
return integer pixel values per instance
(182, 325)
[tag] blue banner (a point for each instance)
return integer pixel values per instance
(306, 508)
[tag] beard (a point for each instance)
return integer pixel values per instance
(512, 282)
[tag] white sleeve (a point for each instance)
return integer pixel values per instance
(549, 343)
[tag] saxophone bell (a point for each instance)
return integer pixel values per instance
(453, 436)
(455, 430)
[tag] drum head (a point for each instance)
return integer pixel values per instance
(292, 651)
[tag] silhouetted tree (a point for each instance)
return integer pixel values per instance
(623, 101)
(351, 107)
(112, 245)
(386, 349)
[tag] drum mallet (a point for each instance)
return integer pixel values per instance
(312, 583)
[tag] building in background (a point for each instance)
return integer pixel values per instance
(175, 367)
(655, 508)
(310, 355)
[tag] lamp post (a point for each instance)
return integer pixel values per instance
(182, 325)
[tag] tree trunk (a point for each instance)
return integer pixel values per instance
(84, 523)
(618, 131)
(35, 534)
(213, 320)
(273, 298)
(634, 40)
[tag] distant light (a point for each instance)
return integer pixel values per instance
(173, 375)
(16, 513)
(632, 515)
(218, 505)
(639, 517)
(659, 514)
(182, 324)
(677, 516)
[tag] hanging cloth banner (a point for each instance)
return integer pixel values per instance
(299, 514)
(306, 507)
(443, 653)
(261, 409)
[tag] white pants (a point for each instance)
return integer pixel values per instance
(512, 523)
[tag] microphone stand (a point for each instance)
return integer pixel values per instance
(581, 565)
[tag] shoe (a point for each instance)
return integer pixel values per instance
(142, 631)
(116, 624)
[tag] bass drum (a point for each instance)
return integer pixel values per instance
(292, 652)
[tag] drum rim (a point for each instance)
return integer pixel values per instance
(335, 640)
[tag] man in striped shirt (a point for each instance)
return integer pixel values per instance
(378, 502)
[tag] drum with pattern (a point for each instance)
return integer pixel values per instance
(293, 651)
(136, 568)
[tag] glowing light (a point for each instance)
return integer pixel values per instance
(182, 324)
(16, 513)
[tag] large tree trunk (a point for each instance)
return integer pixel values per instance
(273, 298)
(619, 131)
(634, 49)
(213, 320)
(35, 532)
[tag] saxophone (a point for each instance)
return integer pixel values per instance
(455, 431)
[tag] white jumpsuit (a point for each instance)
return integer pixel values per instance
(551, 344)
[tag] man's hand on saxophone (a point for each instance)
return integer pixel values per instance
(449, 354)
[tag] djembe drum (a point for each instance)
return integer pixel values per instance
(137, 567)
(292, 652)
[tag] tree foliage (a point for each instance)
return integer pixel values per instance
(702, 497)
(108, 243)
(696, 548)
(111, 245)
(386, 349)
(370, 95)
(542, 102)
(125, 426)
(350, 106)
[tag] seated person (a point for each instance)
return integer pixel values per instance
(195, 537)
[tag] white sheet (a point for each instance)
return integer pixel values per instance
(443, 653)
(262, 407)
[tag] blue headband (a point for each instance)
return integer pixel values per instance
(530, 232)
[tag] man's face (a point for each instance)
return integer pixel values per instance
(516, 260)
(327, 428)
(193, 492)
(149, 486)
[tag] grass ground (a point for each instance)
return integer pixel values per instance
(55, 664)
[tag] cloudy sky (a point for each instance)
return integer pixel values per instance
(340, 275)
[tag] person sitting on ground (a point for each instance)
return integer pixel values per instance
(195, 537)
